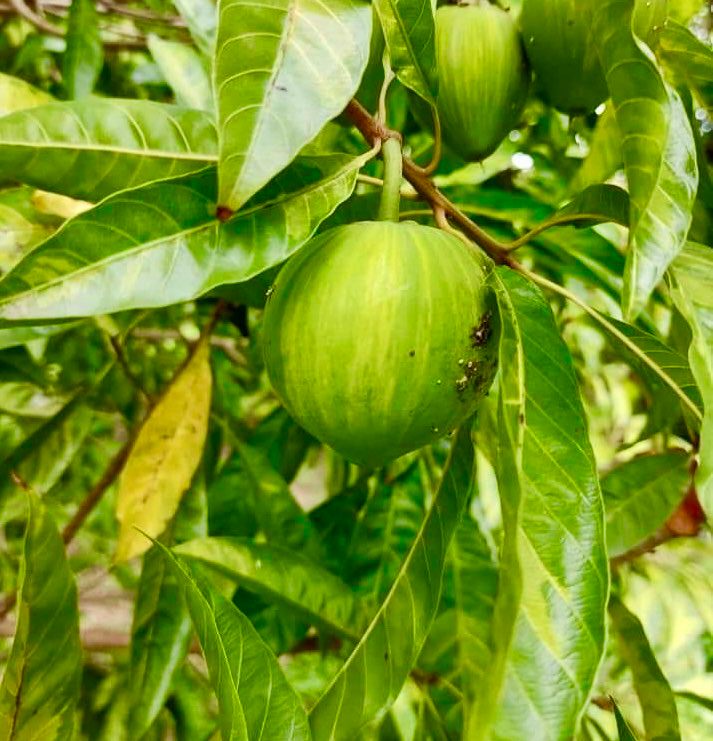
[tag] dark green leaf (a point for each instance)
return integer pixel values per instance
(255, 699)
(162, 244)
(655, 696)
(92, 148)
(40, 687)
(410, 32)
(625, 732)
(84, 56)
(639, 495)
(658, 147)
(375, 671)
(283, 576)
(282, 69)
(549, 628)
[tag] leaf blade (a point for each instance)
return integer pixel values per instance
(84, 56)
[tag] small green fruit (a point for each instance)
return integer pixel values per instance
(483, 77)
(562, 54)
(381, 337)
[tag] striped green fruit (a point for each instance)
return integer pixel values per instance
(565, 60)
(483, 77)
(380, 337)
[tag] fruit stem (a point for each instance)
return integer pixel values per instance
(390, 195)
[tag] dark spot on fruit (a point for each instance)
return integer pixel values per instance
(412, 353)
(471, 368)
(462, 384)
(480, 334)
(281, 88)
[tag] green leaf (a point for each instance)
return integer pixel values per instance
(372, 677)
(595, 205)
(658, 703)
(202, 21)
(548, 629)
(605, 156)
(92, 148)
(658, 148)
(40, 687)
(254, 697)
(84, 57)
(285, 577)
(690, 60)
(161, 630)
(283, 69)
(691, 291)
(162, 244)
(16, 94)
(410, 33)
(639, 496)
(184, 72)
(625, 732)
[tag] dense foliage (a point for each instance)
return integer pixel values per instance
(182, 554)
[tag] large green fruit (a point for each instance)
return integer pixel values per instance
(563, 56)
(381, 337)
(483, 77)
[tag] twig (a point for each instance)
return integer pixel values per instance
(227, 345)
(118, 349)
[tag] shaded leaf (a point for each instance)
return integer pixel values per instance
(169, 246)
(595, 205)
(40, 687)
(410, 33)
(372, 677)
(202, 20)
(658, 148)
(84, 56)
(639, 496)
(16, 94)
(236, 657)
(691, 291)
(161, 629)
(184, 72)
(283, 576)
(658, 703)
(548, 626)
(605, 156)
(92, 148)
(690, 60)
(625, 732)
(164, 456)
(283, 69)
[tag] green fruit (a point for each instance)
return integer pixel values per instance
(483, 77)
(563, 56)
(381, 337)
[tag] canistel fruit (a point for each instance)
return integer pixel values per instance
(381, 337)
(483, 77)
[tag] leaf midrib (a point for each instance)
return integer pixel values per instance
(112, 149)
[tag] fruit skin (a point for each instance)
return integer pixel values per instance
(483, 77)
(380, 337)
(566, 64)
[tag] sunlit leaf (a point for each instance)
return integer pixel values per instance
(690, 60)
(164, 456)
(40, 687)
(255, 699)
(92, 148)
(548, 630)
(83, 59)
(375, 671)
(657, 701)
(202, 21)
(410, 32)
(658, 148)
(16, 94)
(283, 576)
(184, 71)
(639, 496)
(161, 630)
(692, 294)
(283, 69)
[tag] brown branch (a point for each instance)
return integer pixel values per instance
(373, 131)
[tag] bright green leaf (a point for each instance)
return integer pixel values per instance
(283, 576)
(16, 94)
(639, 496)
(548, 629)
(184, 71)
(84, 56)
(164, 457)
(375, 671)
(410, 32)
(255, 700)
(92, 148)
(40, 687)
(658, 703)
(658, 148)
(690, 60)
(283, 69)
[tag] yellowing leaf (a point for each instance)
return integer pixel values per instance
(164, 457)
(58, 205)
